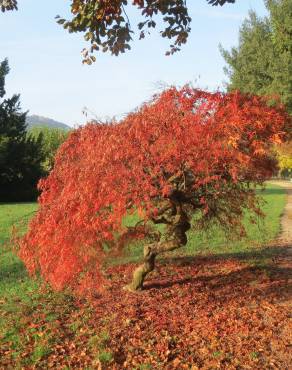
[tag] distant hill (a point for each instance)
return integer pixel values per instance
(35, 120)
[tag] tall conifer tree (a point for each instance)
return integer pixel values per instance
(20, 155)
(261, 63)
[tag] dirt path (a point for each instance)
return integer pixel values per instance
(285, 237)
(286, 221)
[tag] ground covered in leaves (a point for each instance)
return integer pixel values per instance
(230, 309)
(220, 312)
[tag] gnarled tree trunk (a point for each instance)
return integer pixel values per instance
(177, 239)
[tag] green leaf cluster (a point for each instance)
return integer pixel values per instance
(52, 138)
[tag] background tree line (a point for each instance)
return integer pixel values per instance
(25, 156)
(52, 138)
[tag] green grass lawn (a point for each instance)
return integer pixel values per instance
(215, 241)
(13, 277)
(266, 229)
(21, 296)
(14, 214)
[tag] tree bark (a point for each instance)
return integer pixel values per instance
(179, 238)
(143, 270)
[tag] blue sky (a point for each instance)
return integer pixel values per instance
(46, 66)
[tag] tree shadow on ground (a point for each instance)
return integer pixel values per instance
(271, 191)
(214, 274)
(12, 272)
(259, 255)
(234, 277)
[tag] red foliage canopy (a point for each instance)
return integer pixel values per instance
(209, 149)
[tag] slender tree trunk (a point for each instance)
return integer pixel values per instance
(152, 250)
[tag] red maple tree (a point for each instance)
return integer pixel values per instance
(186, 153)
